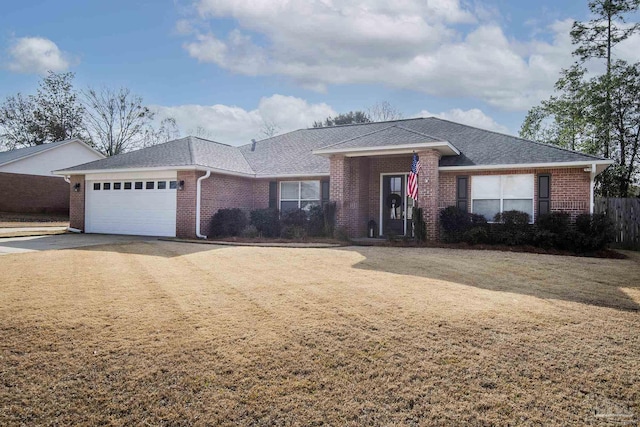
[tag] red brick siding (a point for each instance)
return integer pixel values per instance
(33, 193)
(429, 191)
(350, 187)
(76, 203)
(186, 204)
(224, 192)
(570, 188)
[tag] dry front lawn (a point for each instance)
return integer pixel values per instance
(167, 333)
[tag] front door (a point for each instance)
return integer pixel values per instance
(393, 205)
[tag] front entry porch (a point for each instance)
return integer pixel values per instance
(374, 188)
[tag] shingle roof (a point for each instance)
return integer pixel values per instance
(189, 151)
(292, 153)
(13, 155)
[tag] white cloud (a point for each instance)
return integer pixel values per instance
(237, 126)
(439, 47)
(37, 55)
(473, 117)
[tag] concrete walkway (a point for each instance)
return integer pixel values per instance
(14, 245)
(13, 230)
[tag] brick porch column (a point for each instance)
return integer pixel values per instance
(349, 188)
(428, 191)
(76, 202)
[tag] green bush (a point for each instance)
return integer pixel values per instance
(294, 224)
(476, 235)
(228, 222)
(591, 233)
(554, 222)
(315, 222)
(511, 228)
(454, 223)
(419, 226)
(329, 210)
(266, 221)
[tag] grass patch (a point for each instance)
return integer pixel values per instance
(160, 333)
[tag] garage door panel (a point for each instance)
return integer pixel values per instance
(149, 212)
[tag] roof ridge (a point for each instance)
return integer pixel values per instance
(367, 123)
(190, 148)
(521, 139)
(422, 134)
(357, 136)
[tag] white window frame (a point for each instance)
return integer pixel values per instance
(502, 197)
(299, 199)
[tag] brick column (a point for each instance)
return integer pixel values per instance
(76, 202)
(428, 189)
(349, 188)
(186, 205)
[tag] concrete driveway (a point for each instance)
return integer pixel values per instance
(13, 245)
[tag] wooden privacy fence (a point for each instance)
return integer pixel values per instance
(625, 214)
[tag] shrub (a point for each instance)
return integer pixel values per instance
(329, 210)
(511, 228)
(316, 223)
(419, 226)
(250, 231)
(454, 222)
(266, 221)
(554, 222)
(228, 222)
(476, 235)
(591, 233)
(294, 224)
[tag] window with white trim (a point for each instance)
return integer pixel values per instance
(492, 194)
(299, 195)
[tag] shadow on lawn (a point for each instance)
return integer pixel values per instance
(596, 282)
(155, 248)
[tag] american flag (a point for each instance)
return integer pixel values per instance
(412, 181)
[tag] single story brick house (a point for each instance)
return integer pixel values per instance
(173, 189)
(27, 183)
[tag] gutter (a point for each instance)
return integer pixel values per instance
(592, 185)
(198, 203)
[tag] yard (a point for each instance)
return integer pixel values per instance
(167, 333)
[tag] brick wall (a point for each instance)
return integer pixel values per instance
(350, 187)
(186, 204)
(33, 193)
(76, 202)
(570, 188)
(429, 191)
(225, 192)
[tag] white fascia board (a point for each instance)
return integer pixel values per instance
(155, 168)
(443, 146)
(587, 163)
(292, 175)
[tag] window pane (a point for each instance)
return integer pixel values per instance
(96, 185)
(127, 186)
(117, 185)
(138, 185)
(395, 184)
(487, 208)
(173, 185)
(517, 187)
(522, 205)
(289, 190)
(106, 186)
(162, 185)
(288, 206)
(310, 190)
(485, 187)
(150, 185)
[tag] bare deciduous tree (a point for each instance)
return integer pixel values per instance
(269, 128)
(383, 111)
(115, 121)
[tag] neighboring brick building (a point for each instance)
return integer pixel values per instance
(170, 188)
(27, 184)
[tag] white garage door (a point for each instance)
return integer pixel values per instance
(145, 207)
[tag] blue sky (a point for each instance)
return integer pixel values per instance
(225, 67)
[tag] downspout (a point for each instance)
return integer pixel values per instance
(198, 203)
(66, 178)
(592, 185)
